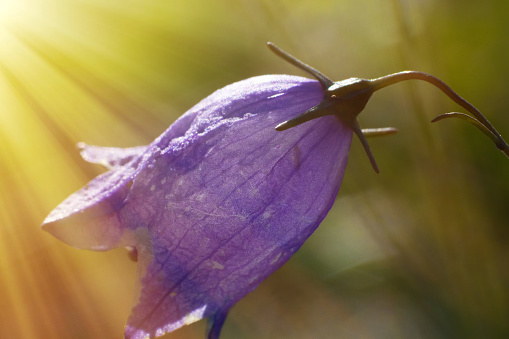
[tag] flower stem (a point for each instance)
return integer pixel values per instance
(391, 79)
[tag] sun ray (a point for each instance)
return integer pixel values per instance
(123, 108)
(39, 127)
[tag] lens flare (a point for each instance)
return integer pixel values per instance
(12, 10)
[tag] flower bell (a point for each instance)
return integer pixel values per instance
(221, 199)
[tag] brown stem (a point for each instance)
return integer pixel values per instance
(391, 79)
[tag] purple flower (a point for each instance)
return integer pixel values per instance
(221, 199)
(215, 204)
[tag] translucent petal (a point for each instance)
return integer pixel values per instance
(229, 202)
(110, 157)
(88, 219)
(215, 204)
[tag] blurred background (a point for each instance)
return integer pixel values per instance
(419, 251)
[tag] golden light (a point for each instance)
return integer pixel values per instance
(7, 9)
(44, 104)
(12, 10)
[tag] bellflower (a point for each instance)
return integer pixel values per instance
(215, 204)
(221, 199)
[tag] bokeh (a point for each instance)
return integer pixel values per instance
(419, 251)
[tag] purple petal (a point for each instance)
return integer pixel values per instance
(215, 324)
(223, 206)
(215, 204)
(88, 219)
(110, 157)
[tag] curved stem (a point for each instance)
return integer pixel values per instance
(499, 143)
(468, 119)
(388, 80)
